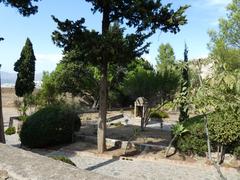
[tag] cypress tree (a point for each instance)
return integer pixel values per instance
(25, 8)
(184, 89)
(25, 66)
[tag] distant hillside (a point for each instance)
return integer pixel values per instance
(9, 79)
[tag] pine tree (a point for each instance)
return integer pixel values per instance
(25, 7)
(25, 66)
(101, 49)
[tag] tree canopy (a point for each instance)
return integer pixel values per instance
(111, 45)
(165, 57)
(168, 72)
(25, 7)
(225, 43)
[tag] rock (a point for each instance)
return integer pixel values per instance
(3, 175)
(231, 160)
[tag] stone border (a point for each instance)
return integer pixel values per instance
(25, 165)
(122, 144)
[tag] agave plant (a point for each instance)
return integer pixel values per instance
(177, 130)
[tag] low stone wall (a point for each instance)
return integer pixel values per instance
(24, 165)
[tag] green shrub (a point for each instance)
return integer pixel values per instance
(224, 127)
(23, 118)
(194, 141)
(51, 125)
(158, 114)
(10, 131)
(64, 159)
(168, 106)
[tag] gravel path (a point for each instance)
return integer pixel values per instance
(147, 170)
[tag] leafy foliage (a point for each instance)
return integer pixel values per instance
(225, 43)
(49, 126)
(165, 56)
(194, 141)
(140, 82)
(229, 27)
(25, 67)
(224, 127)
(167, 72)
(48, 92)
(184, 93)
(219, 95)
(10, 131)
(143, 15)
(76, 78)
(169, 81)
(178, 129)
(159, 114)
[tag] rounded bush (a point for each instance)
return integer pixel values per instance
(222, 130)
(194, 141)
(49, 126)
(224, 127)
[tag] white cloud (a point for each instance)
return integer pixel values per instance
(218, 2)
(48, 57)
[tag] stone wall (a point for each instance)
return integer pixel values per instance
(23, 165)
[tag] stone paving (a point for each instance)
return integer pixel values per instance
(139, 169)
(147, 170)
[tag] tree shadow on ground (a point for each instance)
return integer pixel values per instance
(91, 168)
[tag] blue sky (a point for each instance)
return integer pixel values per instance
(202, 16)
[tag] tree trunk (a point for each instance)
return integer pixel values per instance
(170, 145)
(103, 84)
(222, 154)
(218, 156)
(208, 139)
(2, 136)
(103, 112)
